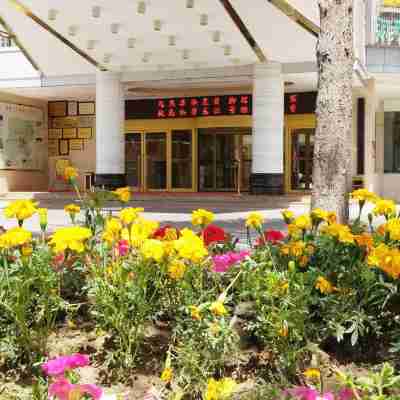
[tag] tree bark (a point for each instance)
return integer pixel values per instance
(332, 152)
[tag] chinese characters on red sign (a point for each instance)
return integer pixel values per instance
(204, 106)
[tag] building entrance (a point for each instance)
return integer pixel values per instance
(157, 160)
(300, 152)
(224, 159)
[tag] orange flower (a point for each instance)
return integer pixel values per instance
(364, 240)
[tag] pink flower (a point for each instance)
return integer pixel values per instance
(221, 263)
(305, 393)
(63, 389)
(123, 248)
(61, 364)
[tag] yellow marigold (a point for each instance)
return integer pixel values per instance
(364, 240)
(152, 249)
(26, 250)
(294, 231)
(72, 209)
(318, 215)
(386, 259)
(324, 286)
(176, 269)
(169, 247)
(254, 220)
(332, 218)
(70, 174)
(220, 390)
(202, 217)
(285, 249)
(72, 237)
(171, 234)
(167, 375)
(342, 232)
(20, 209)
(287, 216)
(141, 230)
(15, 237)
(296, 249)
(42, 218)
(384, 207)
(112, 230)
(123, 194)
(312, 373)
(363, 195)
(303, 222)
(381, 230)
(195, 313)
(303, 261)
(190, 247)
(218, 308)
(393, 228)
(129, 215)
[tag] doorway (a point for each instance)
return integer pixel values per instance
(225, 156)
(300, 153)
(159, 160)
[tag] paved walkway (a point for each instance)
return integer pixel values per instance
(230, 209)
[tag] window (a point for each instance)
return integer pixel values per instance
(392, 142)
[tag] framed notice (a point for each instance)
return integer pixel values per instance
(86, 121)
(86, 108)
(58, 109)
(69, 133)
(76, 144)
(53, 148)
(85, 133)
(63, 147)
(55, 134)
(66, 122)
(72, 108)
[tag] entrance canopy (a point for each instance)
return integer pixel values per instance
(71, 38)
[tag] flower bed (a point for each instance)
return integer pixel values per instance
(221, 317)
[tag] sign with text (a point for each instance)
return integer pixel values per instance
(189, 107)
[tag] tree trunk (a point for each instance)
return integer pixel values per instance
(333, 149)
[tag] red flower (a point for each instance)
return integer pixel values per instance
(213, 234)
(160, 232)
(272, 237)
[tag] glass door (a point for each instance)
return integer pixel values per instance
(301, 158)
(133, 160)
(181, 160)
(155, 144)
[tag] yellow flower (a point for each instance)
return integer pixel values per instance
(384, 207)
(312, 373)
(112, 230)
(364, 240)
(123, 194)
(218, 308)
(393, 228)
(171, 234)
(386, 259)
(220, 390)
(141, 230)
(152, 249)
(167, 375)
(42, 218)
(176, 270)
(303, 261)
(254, 220)
(324, 286)
(332, 218)
(129, 215)
(72, 237)
(296, 249)
(72, 209)
(342, 232)
(20, 209)
(15, 237)
(202, 217)
(195, 313)
(287, 216)
(303, 222)
(26, 250)
(363, 195)
(294, 231)
(70, 174)
(190, 247)
(284, 330)
(318, 215)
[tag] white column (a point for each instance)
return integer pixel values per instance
(110, 140)
(268, 121)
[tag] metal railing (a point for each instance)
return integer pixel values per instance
(384, 23)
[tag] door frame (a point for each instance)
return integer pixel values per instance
(293, 122)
